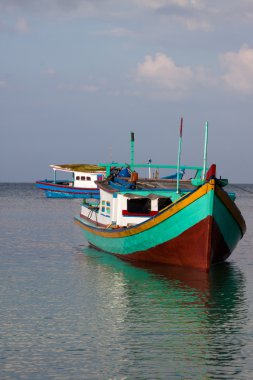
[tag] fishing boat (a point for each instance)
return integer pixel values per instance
(190, 222)
(82, 178)
(81, 184)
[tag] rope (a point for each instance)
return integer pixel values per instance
(241, 188)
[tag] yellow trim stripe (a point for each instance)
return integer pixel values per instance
(178, 206)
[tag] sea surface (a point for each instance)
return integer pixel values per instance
(69, 312)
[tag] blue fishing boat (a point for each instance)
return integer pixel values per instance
(81, 184)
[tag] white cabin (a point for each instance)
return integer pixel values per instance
(80, 179)
(86, 180)
(124, 209)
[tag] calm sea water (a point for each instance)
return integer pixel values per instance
(70, 312)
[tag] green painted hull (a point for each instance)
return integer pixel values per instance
(200, 229)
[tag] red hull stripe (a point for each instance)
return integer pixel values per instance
(198, 247)
(64, 187)
(127, 213)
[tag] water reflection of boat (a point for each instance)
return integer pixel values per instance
(178, 276)
(189, 321)
(221, 285)
(222, 289)
(222, 277)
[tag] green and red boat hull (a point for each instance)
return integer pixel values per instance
(199, 230)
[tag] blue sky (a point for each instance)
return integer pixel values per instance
(77, 76)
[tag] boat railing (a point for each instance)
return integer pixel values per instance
(66, 182)
(198, 170)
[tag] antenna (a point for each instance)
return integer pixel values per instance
(179, 153)
(132, 151)
(205, 151)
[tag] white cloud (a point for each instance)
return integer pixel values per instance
(203, 15)
(163, 78)
(192, 14)
(163, 75)
(239, 68)
(160, 76)
(156, 4)
(60, 8)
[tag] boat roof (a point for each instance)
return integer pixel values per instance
(148, 185)
(89, 168)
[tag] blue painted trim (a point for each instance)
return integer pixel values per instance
(66, 189)
(54, 191)
(61, 194)
(107, 216)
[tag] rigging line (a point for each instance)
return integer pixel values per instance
(241, 188)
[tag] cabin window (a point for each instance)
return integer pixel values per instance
(106, 207)
(88, 179)
(77, 178)
(163, 202)
(82, 178)
(140, 205)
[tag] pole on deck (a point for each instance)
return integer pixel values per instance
(179, 153)
(149, 169)
(132, 151)
(205, 151)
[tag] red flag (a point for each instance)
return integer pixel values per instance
(181, 127)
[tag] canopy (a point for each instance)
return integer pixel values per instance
(89, 168)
